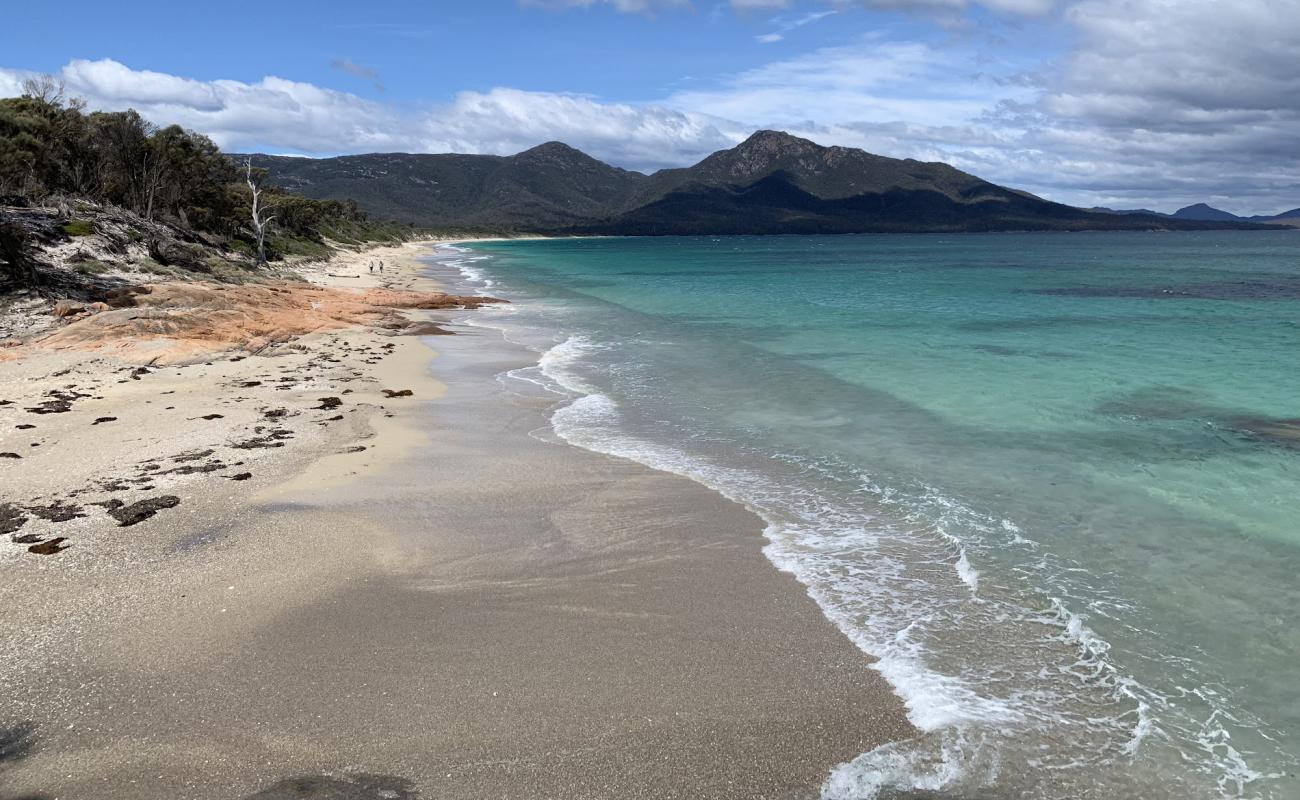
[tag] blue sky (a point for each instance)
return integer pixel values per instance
(429, 51)
(1115, 102)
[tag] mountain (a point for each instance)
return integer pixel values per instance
(829, 173)
(1204, 213)
(770, 183)
(1105, 210)
(1289, 218)
(551, 186)
(1201, 211)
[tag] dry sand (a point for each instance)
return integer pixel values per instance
(461, 610)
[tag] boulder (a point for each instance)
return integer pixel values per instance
(68, 308)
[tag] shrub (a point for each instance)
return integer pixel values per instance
(91, 267)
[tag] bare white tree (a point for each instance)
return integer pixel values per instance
(260, 219)
(46, 88)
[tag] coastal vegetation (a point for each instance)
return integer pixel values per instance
(152, 196)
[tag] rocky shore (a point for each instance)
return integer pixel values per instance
(122, 407)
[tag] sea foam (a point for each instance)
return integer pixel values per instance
(1006, 689)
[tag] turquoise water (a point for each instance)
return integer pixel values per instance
(1049, 481)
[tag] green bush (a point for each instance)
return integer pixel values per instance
(49, 147)
(151, 267)
(297, 246)
(91, 267)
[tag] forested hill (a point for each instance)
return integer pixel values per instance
(771, 183)
(146, 198)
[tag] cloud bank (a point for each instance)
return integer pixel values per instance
(291, 116)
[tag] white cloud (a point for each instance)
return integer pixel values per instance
(140, 87)
(11, 81)
(291, 116)
(872, 80)
(784, 26)
(272, 112)
(1181, 99)
(1161, 64)
(506, 121)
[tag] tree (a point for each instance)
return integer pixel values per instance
(52, 151)
(42, 140)
(24, 148)
(260, 219)
(130, 168)
(194, 186)
(44, 88)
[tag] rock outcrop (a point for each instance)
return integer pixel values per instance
(181, 322)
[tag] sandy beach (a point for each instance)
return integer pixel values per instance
(421, 595)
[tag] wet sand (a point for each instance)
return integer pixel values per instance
(478, 612)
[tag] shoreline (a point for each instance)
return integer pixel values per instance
(888, 496)
(380, 590)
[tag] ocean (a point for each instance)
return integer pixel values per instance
(1048, 481)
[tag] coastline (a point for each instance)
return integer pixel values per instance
(931, 541)
(460, 610)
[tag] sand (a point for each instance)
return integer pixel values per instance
(466, 608)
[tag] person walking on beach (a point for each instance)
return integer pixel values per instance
(372, 268)
(381, 265)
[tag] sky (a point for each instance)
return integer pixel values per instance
(1122, 103)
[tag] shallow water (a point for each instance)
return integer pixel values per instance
(1048, 480)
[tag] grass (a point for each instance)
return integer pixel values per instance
(91, 267)
(79, 227)
(151, 267)
(228, 271)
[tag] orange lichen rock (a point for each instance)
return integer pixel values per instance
(176, 323)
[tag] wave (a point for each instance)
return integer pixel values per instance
(1007, 688)
(464, 261)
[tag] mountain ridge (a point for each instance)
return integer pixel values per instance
(773, 182)
(1205, 212)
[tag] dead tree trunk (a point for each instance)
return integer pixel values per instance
(260, 220)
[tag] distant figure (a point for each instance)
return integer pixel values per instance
(372, 267)
(381, 266)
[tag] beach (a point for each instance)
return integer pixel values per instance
(617, 399)
(432, 596)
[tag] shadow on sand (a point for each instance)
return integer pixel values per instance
(357, 786)
(17, 741)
